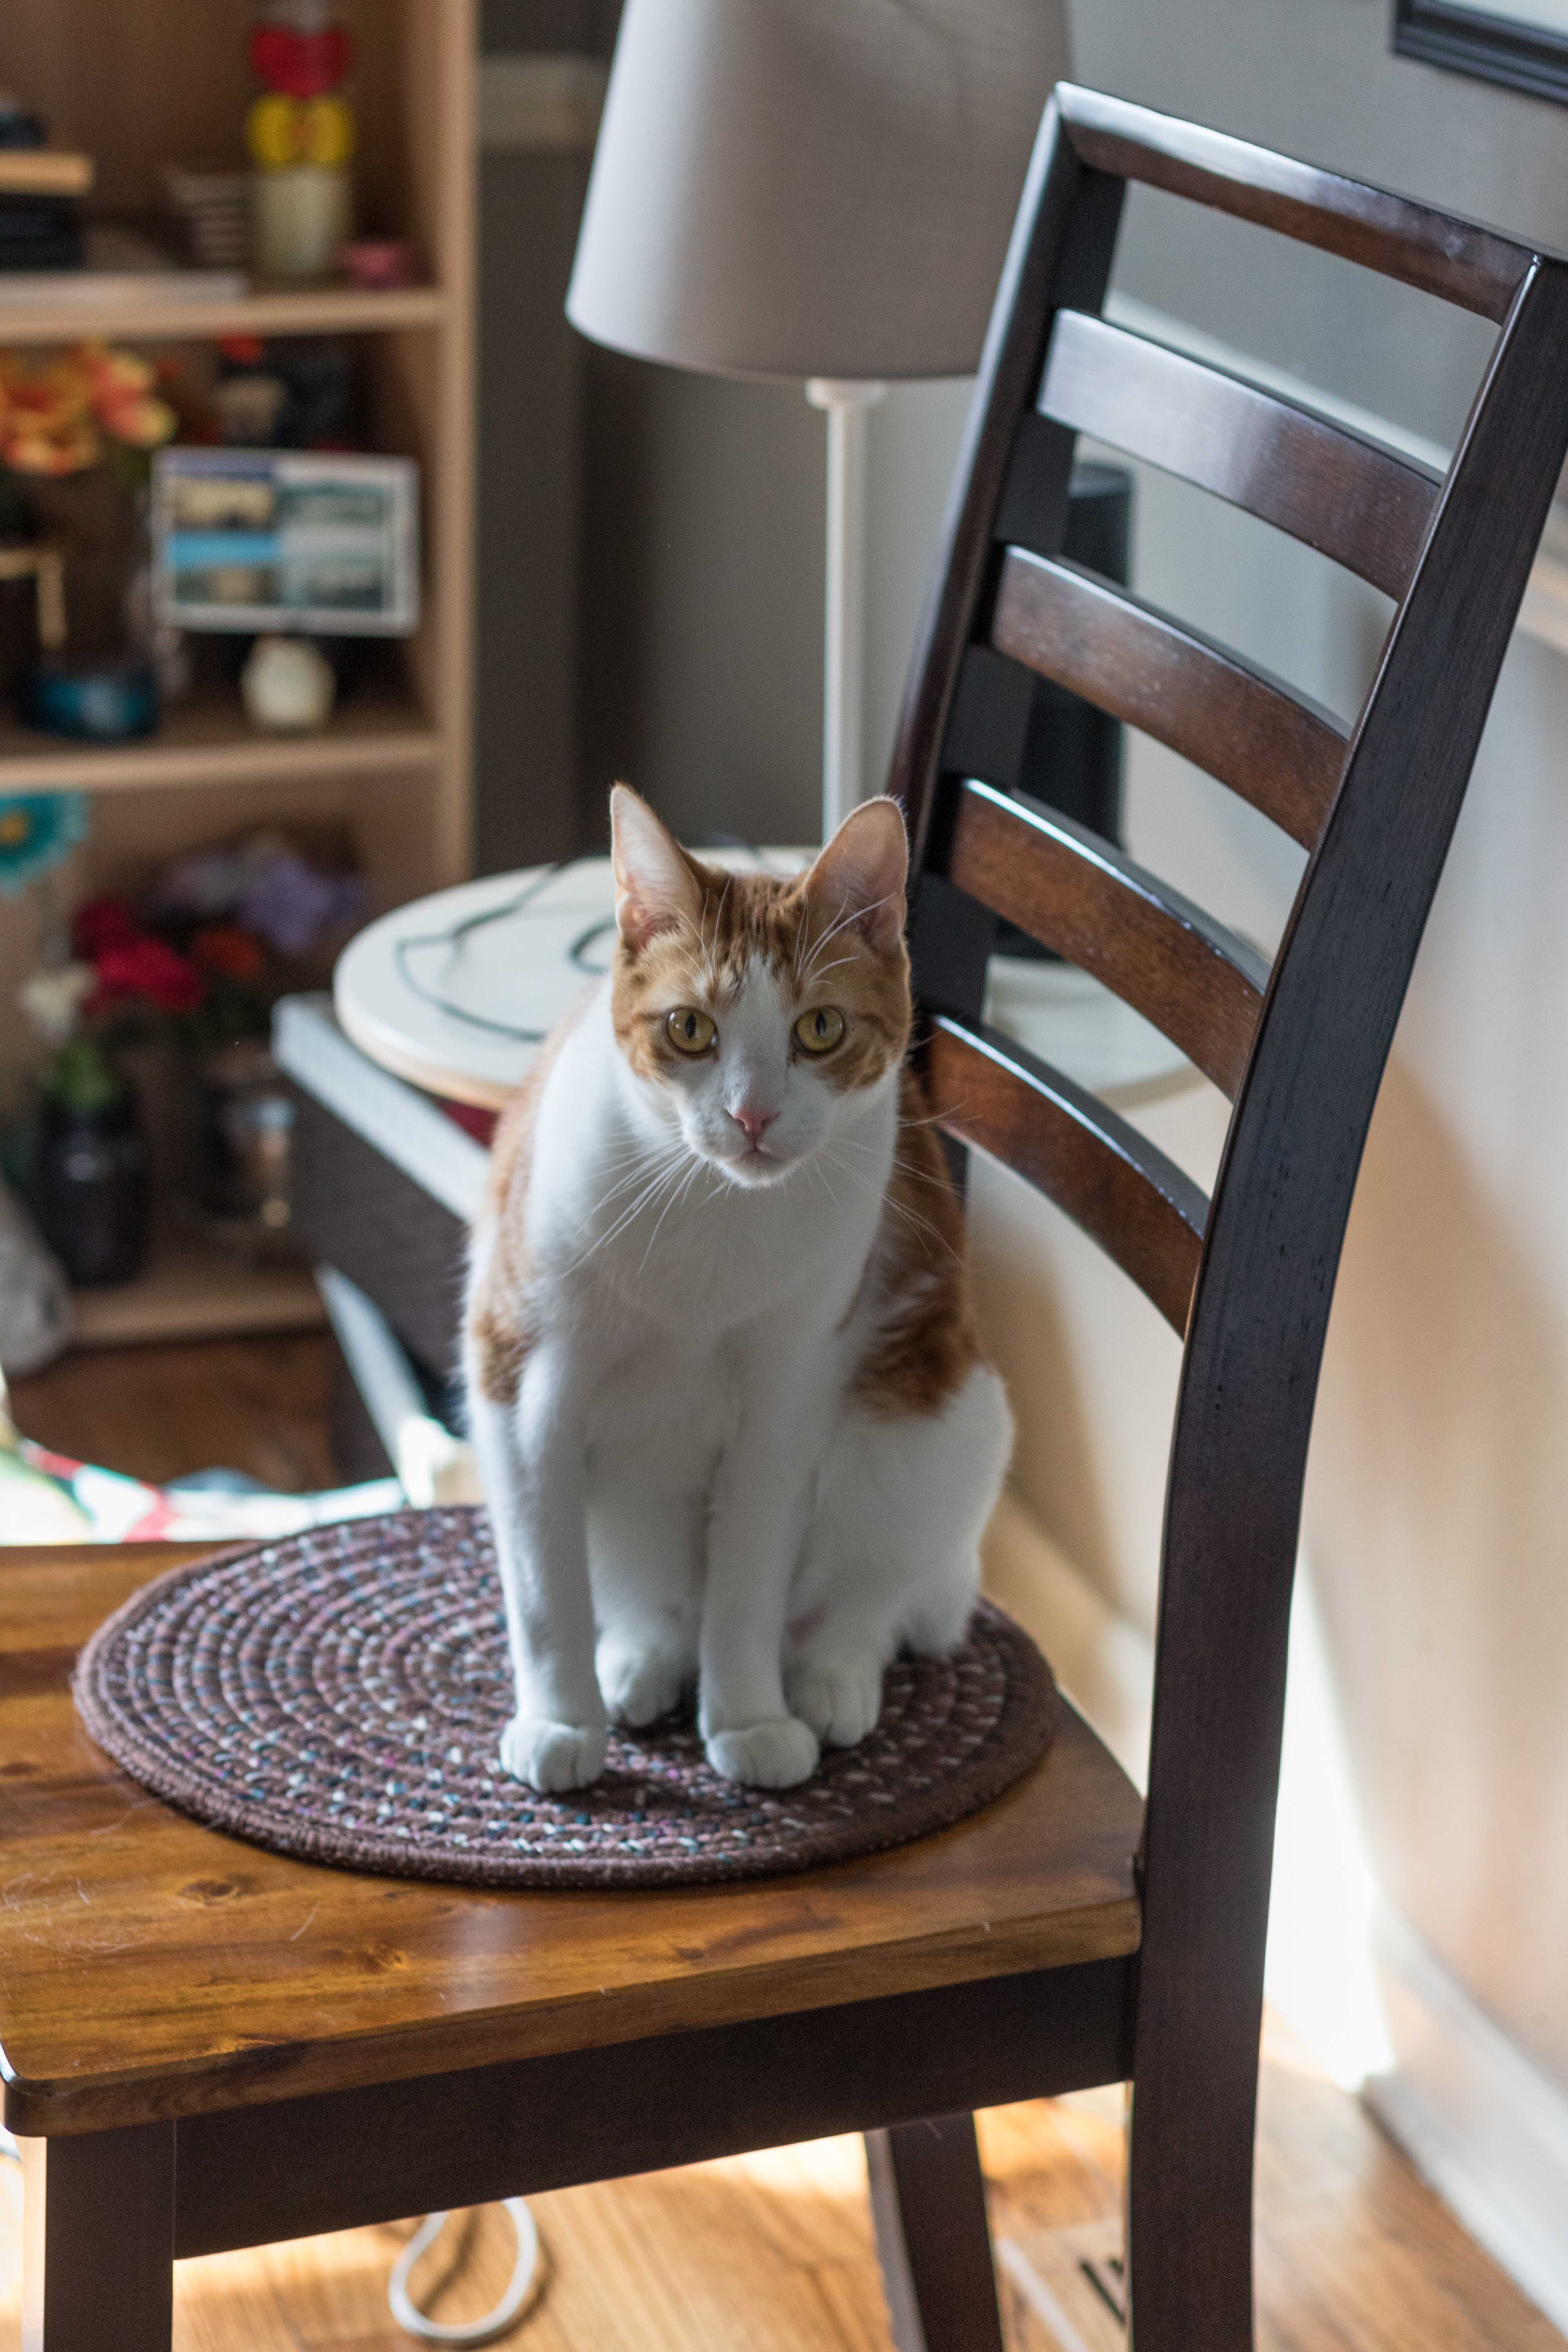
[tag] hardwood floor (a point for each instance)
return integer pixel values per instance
(774, 2252)
(256, 1405)
(771, 2252)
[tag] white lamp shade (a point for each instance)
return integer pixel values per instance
(811, 187)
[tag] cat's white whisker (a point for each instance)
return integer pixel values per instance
(713, 953)
(646, 1164)
(837, 965)
(853, 914)
(894, 1207)
(668, 1168)
(676, 1197)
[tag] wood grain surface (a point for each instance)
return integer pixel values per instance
(1366, 507)
(1122, 1189)
(1458, 259)
(150, 1967)
(775, 2251)
(260, 1405)
(1184, 971)
(1271, 745)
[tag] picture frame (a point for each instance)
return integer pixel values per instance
(1523, 45)
(248, 539)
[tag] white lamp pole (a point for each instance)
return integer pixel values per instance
(842, 698)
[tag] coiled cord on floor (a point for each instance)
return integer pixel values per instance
(525, 2283)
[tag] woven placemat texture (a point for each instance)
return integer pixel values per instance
(340, 1695)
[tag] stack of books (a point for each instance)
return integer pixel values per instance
(40, 225)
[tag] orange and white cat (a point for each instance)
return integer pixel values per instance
(728, 1398)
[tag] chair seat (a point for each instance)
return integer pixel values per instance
(151, 1967)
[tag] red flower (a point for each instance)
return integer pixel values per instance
(225, 948)
(146, 967)
(101, 923)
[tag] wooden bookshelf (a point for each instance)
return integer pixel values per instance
(325, 310)
(135, 84)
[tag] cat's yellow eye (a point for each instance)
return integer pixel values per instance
(688, 1030)
(819, 1032)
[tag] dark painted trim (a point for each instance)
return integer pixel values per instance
(1489, 48)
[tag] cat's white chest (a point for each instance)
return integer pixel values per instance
(664, 1423)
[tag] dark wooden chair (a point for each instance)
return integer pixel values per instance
(208, 2046)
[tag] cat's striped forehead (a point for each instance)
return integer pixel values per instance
(746, 924)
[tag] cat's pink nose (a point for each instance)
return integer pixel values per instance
(755, 1123)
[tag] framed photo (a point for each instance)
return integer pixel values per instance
(277, 539)
(1523, 43)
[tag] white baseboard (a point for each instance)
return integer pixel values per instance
(1487, 2129)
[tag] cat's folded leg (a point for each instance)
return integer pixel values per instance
(757, 1520)
(532, 1458)
(892, 1553)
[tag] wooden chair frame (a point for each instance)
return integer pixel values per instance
(1248, 1277)
(445, 2048)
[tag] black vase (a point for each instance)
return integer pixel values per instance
(92, 1189)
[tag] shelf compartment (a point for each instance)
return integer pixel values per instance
(196, 1290)
(209, 740)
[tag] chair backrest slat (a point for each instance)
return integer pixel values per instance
(1365, 505)
(1275, 748)
(1464, 264)
(1124, 1192)
(1074, 892)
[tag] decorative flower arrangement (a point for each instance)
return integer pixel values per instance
(202, 966)
(78, 410)
(197, 971)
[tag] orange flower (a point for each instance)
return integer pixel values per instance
(30, 451)
(49, 417)
(120, 370)
(144, 423)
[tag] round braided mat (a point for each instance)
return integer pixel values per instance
(340, 1695)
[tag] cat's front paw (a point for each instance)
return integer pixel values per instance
(552, 1757)
(772, 1754)
(640, 1685)
(841, 1698)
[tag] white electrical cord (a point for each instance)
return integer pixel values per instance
(525, 2283)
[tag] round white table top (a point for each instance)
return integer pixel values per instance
(457, 992)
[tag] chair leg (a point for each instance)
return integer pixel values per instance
(97, 2266)
(928, 2200)
(1189, 2208)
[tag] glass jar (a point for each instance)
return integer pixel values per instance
(91, 1189)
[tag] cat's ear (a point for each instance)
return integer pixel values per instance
(655, 889)
(861, 873)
